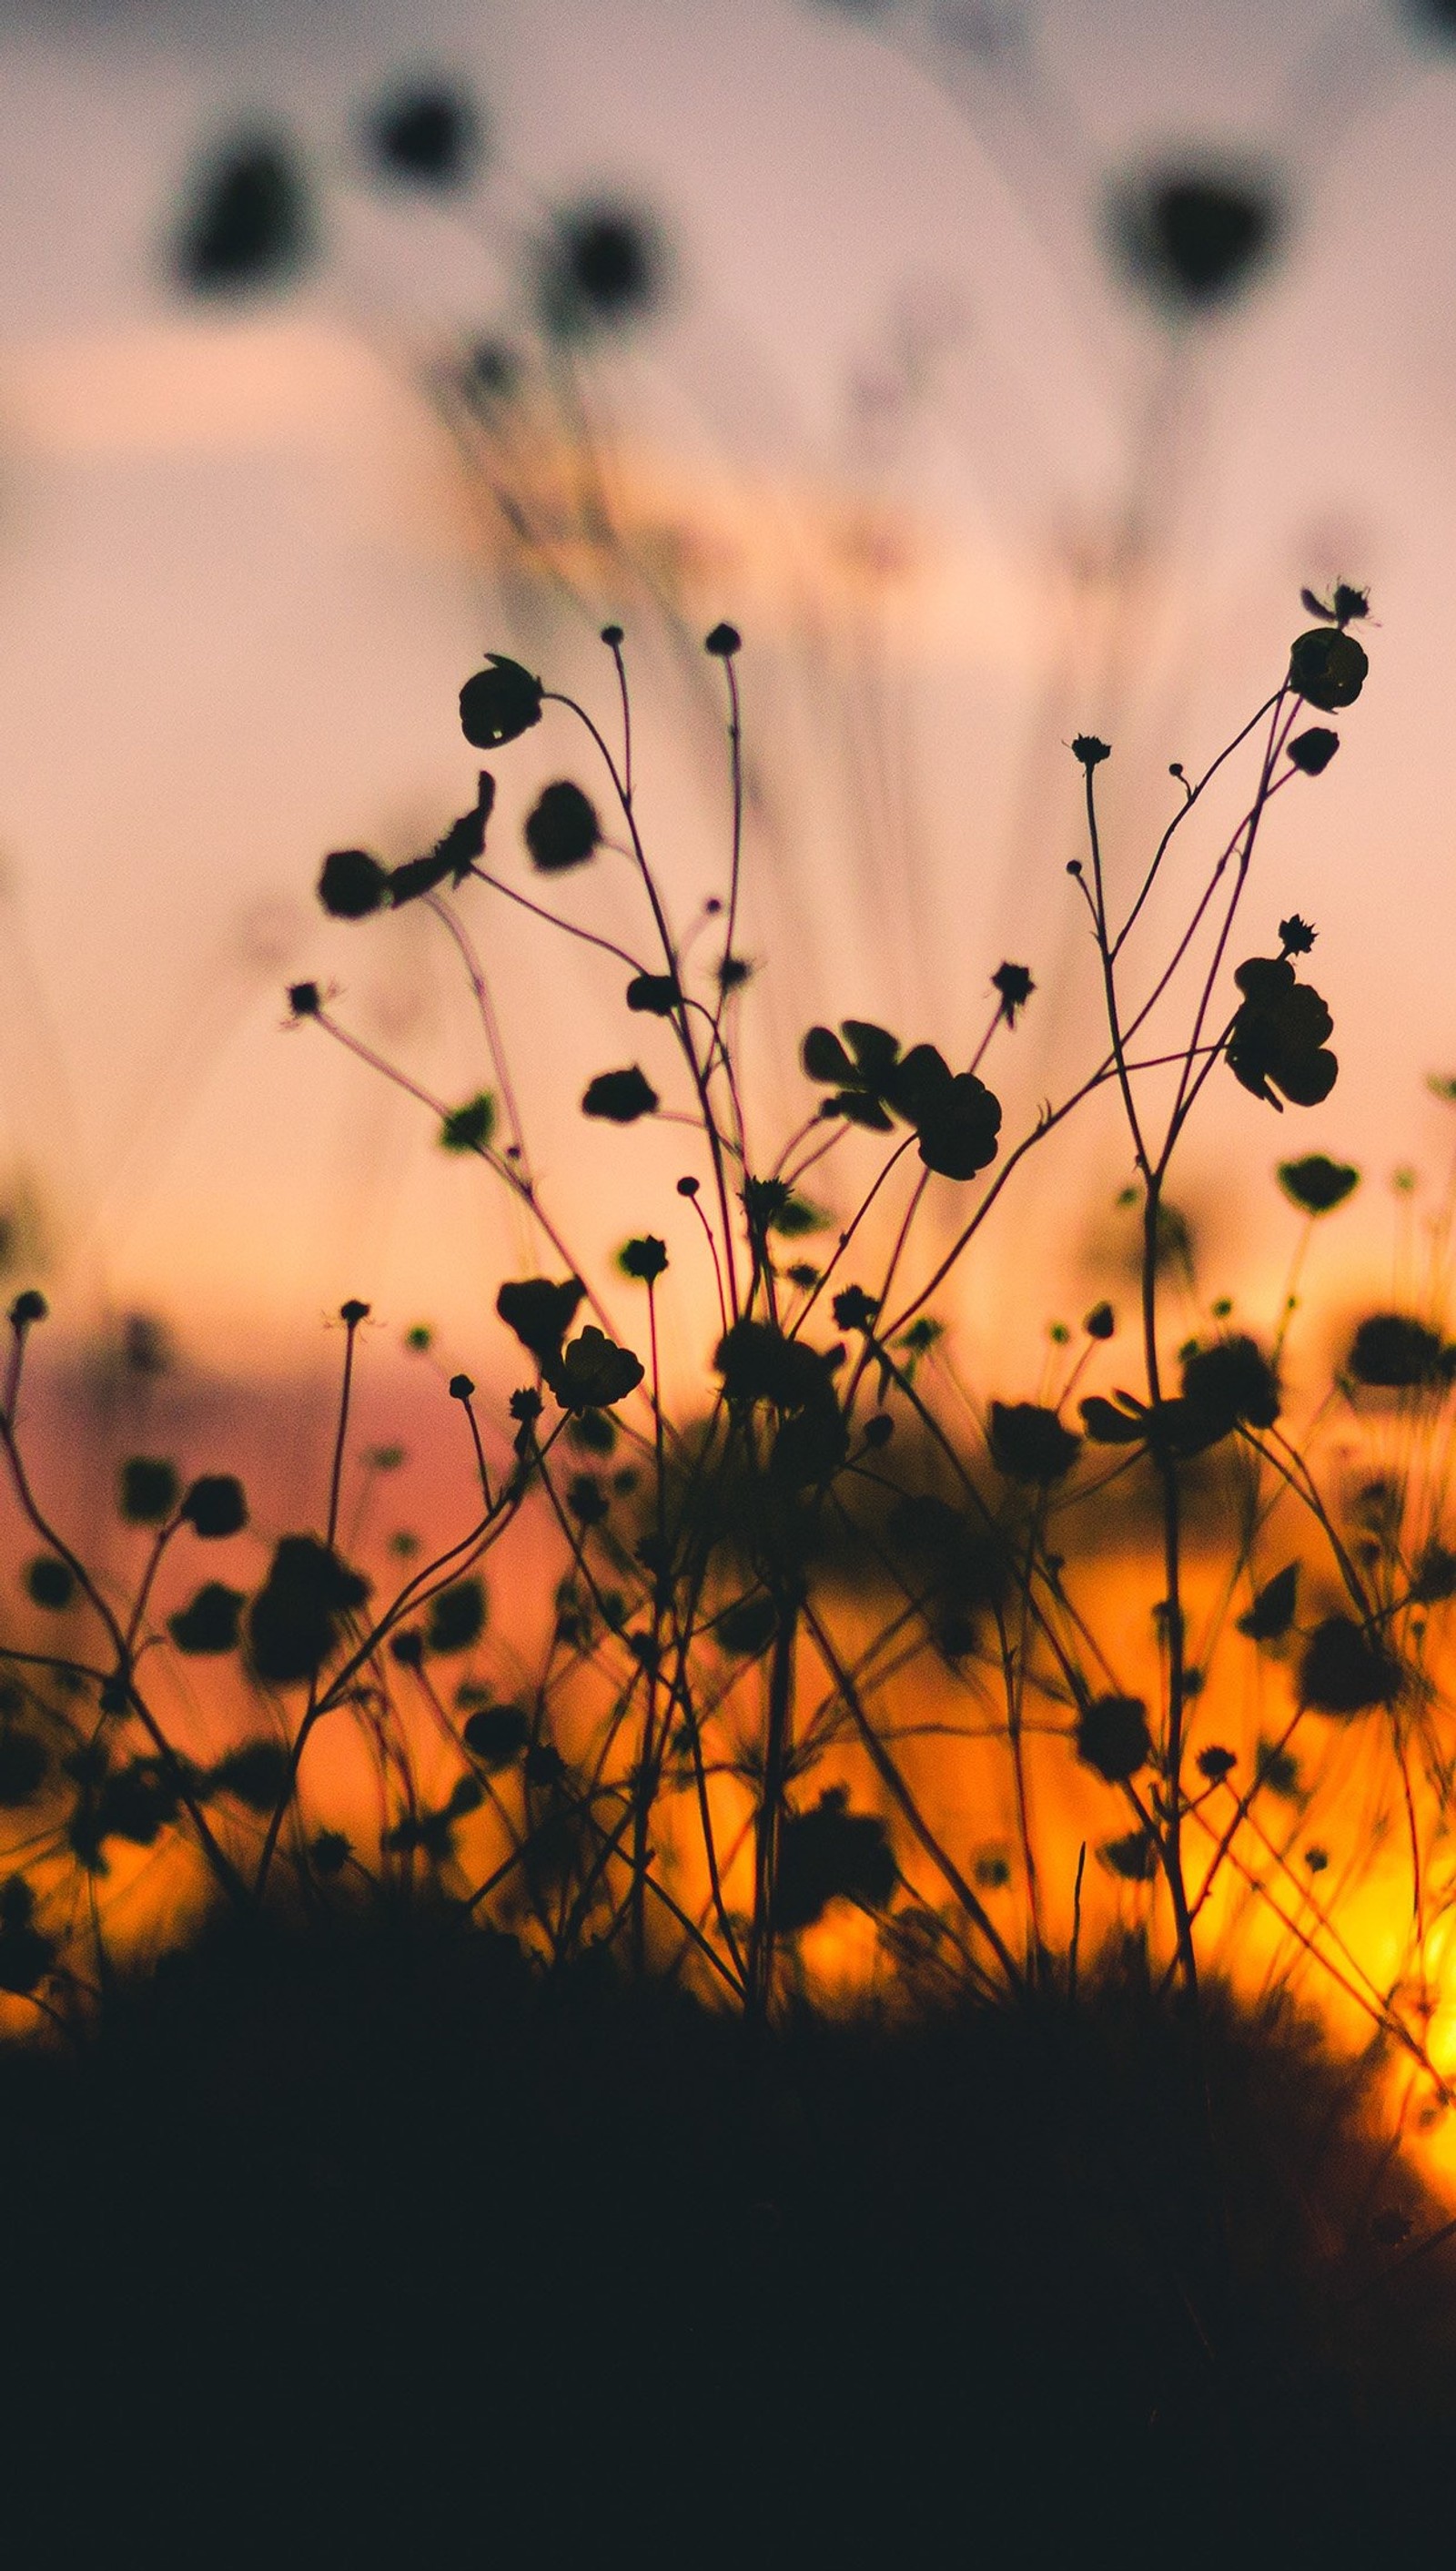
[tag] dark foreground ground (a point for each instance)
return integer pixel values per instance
(371, 2247)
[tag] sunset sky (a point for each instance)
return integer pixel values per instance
(895, 409)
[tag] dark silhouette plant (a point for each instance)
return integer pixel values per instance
(668, 1782)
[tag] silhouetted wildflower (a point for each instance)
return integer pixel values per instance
(250, 222)
(426, 135)
(562, 830)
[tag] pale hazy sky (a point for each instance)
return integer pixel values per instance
(241, 580)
